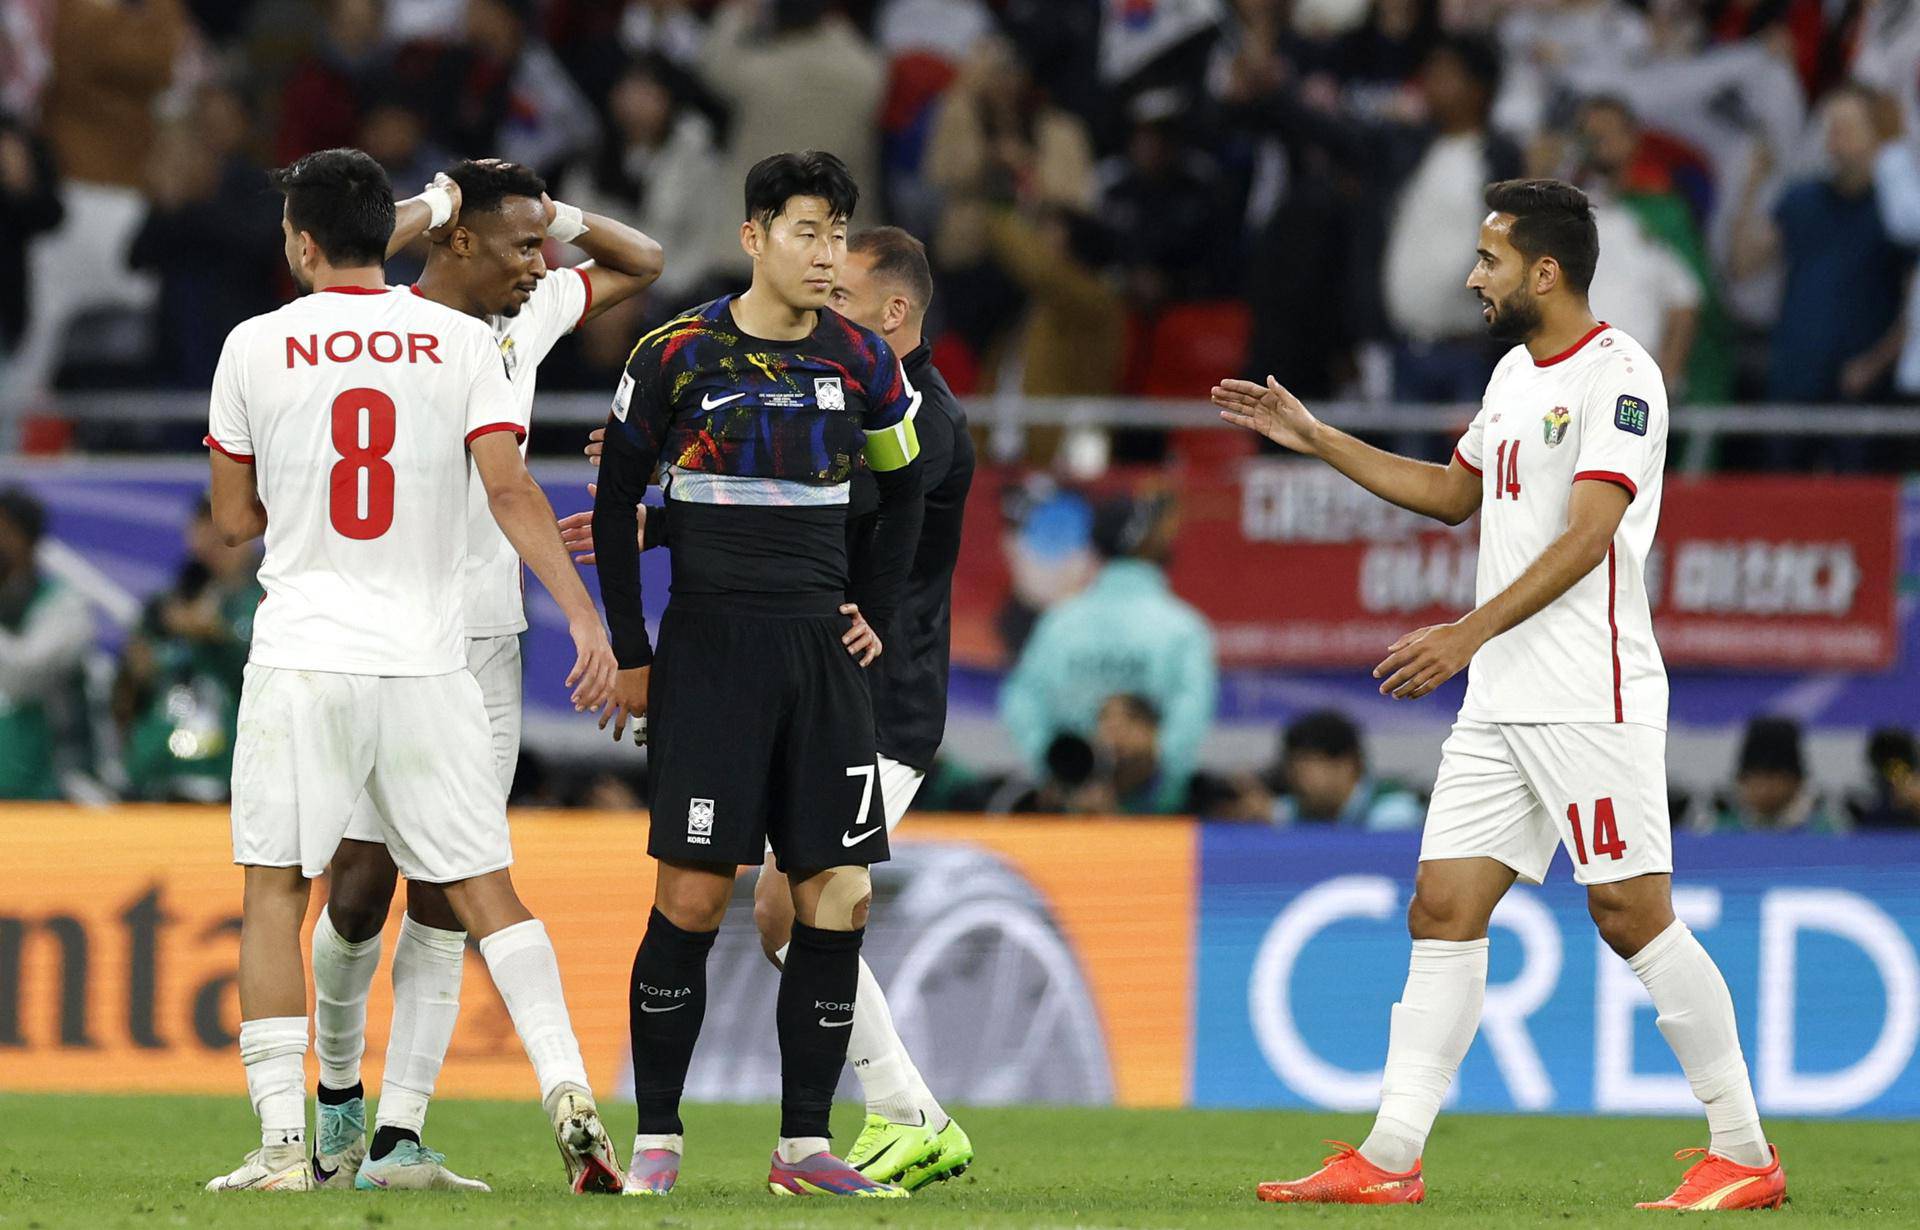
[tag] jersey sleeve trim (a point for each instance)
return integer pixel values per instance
(519, 432)
(1609, 476)
(1462, 459)
(586, 284)
(245, 459)
(1574, 349)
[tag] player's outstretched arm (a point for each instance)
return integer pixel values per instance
(1424, 659)
(237, 511)
(526, 518)
(623, 260)
(1448, 493)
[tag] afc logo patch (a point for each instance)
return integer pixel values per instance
(509, 357)
(827, 393)
(700, 821)
(1630, 414)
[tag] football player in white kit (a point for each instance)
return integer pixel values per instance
(488, 221)
(1561, 740)
(340, 428)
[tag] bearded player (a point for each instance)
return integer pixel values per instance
(489, 222)
(1561, 740)
(885, 285)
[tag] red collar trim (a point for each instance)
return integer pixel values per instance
(352, 290)
(417, 292)
(1574, 349)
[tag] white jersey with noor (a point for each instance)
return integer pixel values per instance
(356, 408)
(1596, 411)
(494, 583)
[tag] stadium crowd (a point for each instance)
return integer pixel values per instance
(1119, 196)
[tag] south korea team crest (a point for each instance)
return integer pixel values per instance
(1553, 425)
(700, 821)
(827, 393)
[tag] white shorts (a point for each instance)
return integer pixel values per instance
(495, 662)
(898, 784)
(310, 743)
(1515, 792)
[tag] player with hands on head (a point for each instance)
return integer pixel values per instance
(1562, 737)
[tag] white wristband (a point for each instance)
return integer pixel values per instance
(568, 223)
(439, 203)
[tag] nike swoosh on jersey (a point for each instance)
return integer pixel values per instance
(836, 1024)
(710, 402)
(646, 1007)
(849, 840)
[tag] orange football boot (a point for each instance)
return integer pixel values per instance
(1345, 1177)
(1714, 1182)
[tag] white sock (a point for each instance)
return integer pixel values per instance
(1433, 1025)
(1696, 1017)
(794, 1149)
(427, 965)
(520, 959)
(274, 1050)
(889, 1080)
(342, 973)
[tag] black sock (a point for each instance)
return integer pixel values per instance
(340, 1097)
(814, 1016)
(666, 1002)
(384, 1139)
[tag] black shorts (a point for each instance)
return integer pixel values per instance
(760, 731)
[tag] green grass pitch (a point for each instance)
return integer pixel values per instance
(140, 1161)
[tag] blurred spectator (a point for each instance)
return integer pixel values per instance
(1075, 327)
(1443, 353)
(1322, 776)
(1896, 180)
(1116, 773)
(948, 28)
(176, 699)
(998, 139)
(1654, 280)
(665, 28)
(1546, 41)
(1162, 200)
(111, 60)
(46, 630)
(29, 205)
(212, 237)
(1126, 633)
(1771, 793)
(1893, 801)
(654, 170)
(1845, 275)
(795, 78)
(321, 101)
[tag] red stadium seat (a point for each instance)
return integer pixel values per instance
(1186, 348)
(957, 362)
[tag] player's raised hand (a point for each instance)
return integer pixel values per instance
(629, 700)
(594, 666)
(596, 444)
(446, 184)
(1424, 659)
(1270, 410)
(576, 532)
(861, 640)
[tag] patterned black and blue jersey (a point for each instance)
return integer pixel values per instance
(755, 442)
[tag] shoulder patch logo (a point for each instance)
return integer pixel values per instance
(623, 396)
(509, 357)
(827, 393)
(1630, 414)
(1553, 425)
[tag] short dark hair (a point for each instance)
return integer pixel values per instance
(20, 509)
(779, 178)
(1477, 54)
(1772, 745)
(900, 258)
(342, 198)
(485, 183)
(1551, 218)
(1327, 732)
(1891, 749)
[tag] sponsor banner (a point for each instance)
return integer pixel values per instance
(1296, 566)
(1303, 951)
(1025, 961)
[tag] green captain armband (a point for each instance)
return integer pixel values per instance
(892, 448)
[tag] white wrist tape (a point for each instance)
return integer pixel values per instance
(568, 223)
(440, 204)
